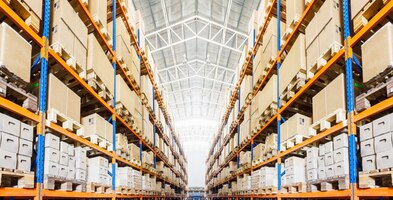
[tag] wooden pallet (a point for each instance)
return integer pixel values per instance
(98, 188)
(102, 28)
(294, 188)
(323, 59)
(125, 190)
(325, 123)
(67, 123)
(381, 87)
(376, 178)
(268, 190)
(16, 178)
(26, 13)
(98, 86)
(271, 153)
(265, 117)
(100, 141)
(329, 184)
(289, 29)
(69, 59)
(294, 140)
(122, 153)
(57, 183)
(369, 11)
(296, 83)
(13, 87)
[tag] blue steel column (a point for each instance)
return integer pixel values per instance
(278, 95)
(350, 99)
(252, 84)
(154, 132)
(43, 98)
(238, 136)
(114, 95)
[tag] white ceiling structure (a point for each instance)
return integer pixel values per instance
(196, 46)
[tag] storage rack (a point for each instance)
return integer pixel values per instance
(40, 119)
(344, 53)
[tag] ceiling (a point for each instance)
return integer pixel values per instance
(196, 46)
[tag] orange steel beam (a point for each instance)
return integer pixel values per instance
(375, 192)
(17, 192)
(328, 194)
(15, 108)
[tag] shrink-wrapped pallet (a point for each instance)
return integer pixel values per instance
(15, 52)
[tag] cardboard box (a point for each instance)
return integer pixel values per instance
(366, 132)
(52, 141)
(98, 10)
(369, 163)
(294, 62)
(98, 62)
(341, 168)
(64, 158)
(380, 46)
(367, 147)
(63, 99)
(312, 174)
(340, 141)
(329, 99)
(94, 124)
(80, 174)
(298, 124)
(383, 125)
(23, 163)
(330, 171)
(383, 142)
(25, 147)
(9, 125)
(51, 168)
(329, 160)
(9, 143)
(26, 131)
(321, 172)
(357, 6)
(321, 161)
(52, 155)
(15, 52)
(126, 97)
(340, 155)
(294, 12)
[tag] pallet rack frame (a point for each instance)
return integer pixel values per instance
(40, 119)
(346, 51)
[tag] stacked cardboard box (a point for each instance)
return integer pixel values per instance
(98, 65)
(379, 45)
(245, 158)
(147, 157)
(261, 102)
(69, 34)
(252, 30)
(297, 125)
(264, 177)
(16, 146)
(295, 170)
(121, 142)
(329, 100)
(147, 89)
(259, 151)
(376, 143)
(245, 90)
(323, 33)
(294, 12)
(136, 179)
(97, 172)
(312, 163)
(245, 126)
(95, 125)
(98, 10)
(63, 100)
(294, 65)
(134, 151)
(140, 27)
(124, 176)
(15, 52)
(80, 163)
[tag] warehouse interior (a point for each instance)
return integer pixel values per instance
(196, 99)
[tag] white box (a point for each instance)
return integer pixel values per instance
(25, 147)
(329, 170)
(7, 159)
(98, 161)
(366, 132)
(328, 147)
(312, 152)
(312, 174)
(80, 154)
(340, 141)
(24, 163)
(52, 155)
(341, 168)
(64, 159)
(52, 141)
(51, 168)
(80, 163)
(63, 170)
(9, 125)
(321, 161)
(385, 159)
(80, 174)
(64, 147)
(321, 149)
(383, 142)
(321, 173)
(367, 147)
(71, 173)
(71, 162)
(312, 163)
(9, 142)
(26, 131)
(71, 151)
(329, 160)
(294, 161)
(368, 163)
(382, 125)
(340, 155)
